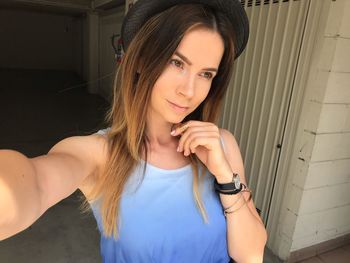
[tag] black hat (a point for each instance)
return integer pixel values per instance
(143, 10)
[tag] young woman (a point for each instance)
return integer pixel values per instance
(163, 181)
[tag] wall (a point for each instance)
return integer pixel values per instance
(324, 209)
(35, 40)
(109, 24)
(310, 204)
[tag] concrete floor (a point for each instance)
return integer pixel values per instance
(339, 255)
(38, 109)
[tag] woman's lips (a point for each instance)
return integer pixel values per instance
(177, 107)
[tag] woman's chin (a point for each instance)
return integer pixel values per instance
(177, 120)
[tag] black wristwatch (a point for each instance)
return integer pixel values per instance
(231, 188)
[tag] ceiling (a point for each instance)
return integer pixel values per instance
(66, 7)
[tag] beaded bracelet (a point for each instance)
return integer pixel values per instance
(249, 191)
(233, 211)
(234, 203)
(246, 189)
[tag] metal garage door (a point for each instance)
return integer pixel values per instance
(257, 103)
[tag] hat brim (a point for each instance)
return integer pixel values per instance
(143, 10)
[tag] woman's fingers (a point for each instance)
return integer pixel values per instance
(191, 130)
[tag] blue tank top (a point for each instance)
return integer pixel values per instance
(159, 220)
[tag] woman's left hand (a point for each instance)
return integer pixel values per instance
(203, 139)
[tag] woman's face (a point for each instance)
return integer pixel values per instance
(188, 76)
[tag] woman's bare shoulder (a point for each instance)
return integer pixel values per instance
(100, 145)
(97, 145)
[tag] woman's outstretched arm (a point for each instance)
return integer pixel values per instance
(30, 186)
(19, 193)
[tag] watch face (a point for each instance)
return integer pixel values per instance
(237, 181)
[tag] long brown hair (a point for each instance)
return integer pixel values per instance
(143, 63)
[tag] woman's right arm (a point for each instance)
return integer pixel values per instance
(29, 186)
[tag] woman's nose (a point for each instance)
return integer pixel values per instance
(186, 88)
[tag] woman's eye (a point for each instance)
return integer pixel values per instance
(208, 75)
(176, 63)
(179, 64)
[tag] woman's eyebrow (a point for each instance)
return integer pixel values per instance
(184, 58)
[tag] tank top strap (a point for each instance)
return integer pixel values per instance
(223, 144)
(103, 131)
